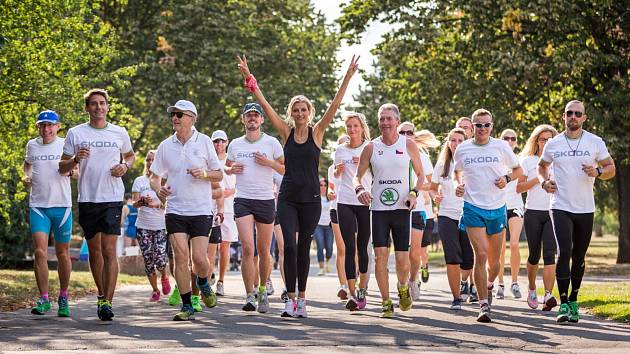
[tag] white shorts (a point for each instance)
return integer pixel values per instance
(229, 232)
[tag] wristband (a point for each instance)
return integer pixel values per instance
(507, 178)
(599, 171)
(414, 193)
(358, 189)
(251, 84)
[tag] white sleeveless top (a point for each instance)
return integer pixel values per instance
(345, 189)
(391, 168)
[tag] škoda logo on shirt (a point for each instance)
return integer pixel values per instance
(389, 196)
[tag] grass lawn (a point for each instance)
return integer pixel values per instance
(18, 289)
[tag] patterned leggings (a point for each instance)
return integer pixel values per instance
(153, 246)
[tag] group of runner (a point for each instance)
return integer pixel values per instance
(197, 194)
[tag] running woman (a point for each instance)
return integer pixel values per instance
(391, 158)
(253, 158)
(483, 161)
(299, 201)
(354, 216)
(514, 204)
(191, 164)
(323, 232)
(537, 221)
(340, 247)
(458, 253)
(97, 146)
(151, 230)
(578, 158)
(50, 209)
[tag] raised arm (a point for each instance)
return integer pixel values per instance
(281, 126)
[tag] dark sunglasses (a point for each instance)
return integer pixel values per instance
(482, 125)
(543, 140)
(178, 114)
(509, 138)
(406, 132)
(219, 141)
(577, 114)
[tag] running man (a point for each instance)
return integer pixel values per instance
(578, 157)
(191, 164)
(483, 161)
(390, 156)
(97, 146)
(50, 209)
(253, 158)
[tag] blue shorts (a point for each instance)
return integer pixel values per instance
(494, 220)
(57, 220)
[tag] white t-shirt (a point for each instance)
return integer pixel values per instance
(189, 196)
(537, 198)
(345, 189)
(228, 182)
(482, 165)
(513, 200)
(451, 205)
(575, 187)
(324, 217)
(96, 183)
(391, 168)
(50, 189)
(148, 218)
(421, 202)
(256, 181)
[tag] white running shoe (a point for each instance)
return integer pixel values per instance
(220, 290)
(501, 291)
(516, 291)
(263, 302)
(269, 286)
(289, 308)
(414, 290)
(300, 309)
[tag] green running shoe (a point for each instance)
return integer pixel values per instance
(207, 295)
(387, 310)
(187, 313)
(425, 273)
(196, 303)
(106, 312)
(64, 309)
(404, 299)
(41, 307)
(574, 315)
(173, 300)
(563, 313)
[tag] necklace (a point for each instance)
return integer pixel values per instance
(578, 144)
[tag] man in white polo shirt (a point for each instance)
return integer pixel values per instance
(190, 162)
(97, 146)
(253, 158)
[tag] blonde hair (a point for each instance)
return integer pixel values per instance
(361, 118)
(446, 155)
(400, 126)
(481, 112)
(426, 140)
(95, 91)
(508, 131)
(531, 146)
(309, 104)
(146, 171)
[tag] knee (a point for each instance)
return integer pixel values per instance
(200, 260)
(248, 251)
(481, 257)
(41, 253)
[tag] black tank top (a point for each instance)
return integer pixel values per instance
(301, 161)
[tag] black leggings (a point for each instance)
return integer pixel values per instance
(300, 218)
(540, 235)
(573, 235)
(355, 219)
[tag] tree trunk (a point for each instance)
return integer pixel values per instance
(623, 212)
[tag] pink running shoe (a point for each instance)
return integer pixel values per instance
(155, 296)
(361, 299)
(166, 286)
(532, 299)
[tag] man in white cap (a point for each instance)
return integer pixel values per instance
(190, 162)
(97, 146)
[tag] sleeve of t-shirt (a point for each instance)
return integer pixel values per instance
(437, 172)
(525, 165)
(457, 160)
(213, 160)
(602, 150)
(277, 149)
(126, 147)
(331, 174)
(230, 152)
(510, 158)
(136, 185)
(158, 166)
(68, 144)
(427, 166)
(28, 155)
(547, 156)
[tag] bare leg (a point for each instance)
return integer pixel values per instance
(453, 274)
(96, 262)
(64, 264)
(515, 225)
(40, 245)
(341, 255)
(264, 233)
(110, 264)
(415, 253)
(382, 276)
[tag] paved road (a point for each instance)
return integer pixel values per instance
(430, 326)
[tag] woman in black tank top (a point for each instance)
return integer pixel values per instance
(299, 203)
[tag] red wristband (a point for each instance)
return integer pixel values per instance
(251, 84)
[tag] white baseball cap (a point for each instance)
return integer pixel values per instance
(183, 105)
(219, 134)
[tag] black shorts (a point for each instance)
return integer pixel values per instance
(394, 222)
(194, 226)
(457, 248)
(514, 213)
(100, 217)
(333, 216)
(417, 220)
(215, 235)
(264, 211)
(428, 232)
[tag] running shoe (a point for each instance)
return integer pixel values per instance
(269, 286)
(563, 313)
(263, 300)
(425, 273)
(321, 272)
(516, 291)
(549, 302)
(387, 309)
(501, 292)
(107, 313)
(343, 292)
(100, 300)
(484, 313)
(328, 268)
(352, 304)
(155, 296)
(414, 290)
(300, 309)
(212, 279)
(404, 300)
(166, 286)
(250, 303)
(220, 290)
(174, 299)
(289, 308)
(207, 295)
(64, 309)
(196, 303)
(456, 304)
(532, 299)
(574, 312)
(187, 313)
(473, 294)
(464, 290)
(284, 296)
(41, 307)
(361, 298)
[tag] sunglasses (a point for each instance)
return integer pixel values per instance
(509, 138)
(406, 132)
(543, 140)
(577, 114)
(219, 141)
(482, 125)
(179, 114)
